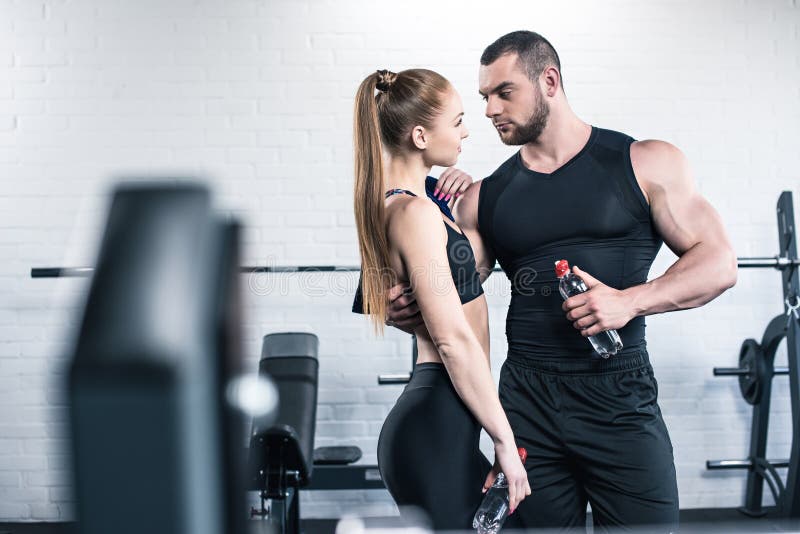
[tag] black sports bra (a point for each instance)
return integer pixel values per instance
(460, 258)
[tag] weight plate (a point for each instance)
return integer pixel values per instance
(751, 357)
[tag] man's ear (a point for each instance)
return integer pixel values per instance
(551, 79)
(419, 137)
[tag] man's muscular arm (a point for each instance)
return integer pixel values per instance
(690, 227)
(466, 213)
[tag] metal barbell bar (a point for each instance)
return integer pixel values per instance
(777, 262)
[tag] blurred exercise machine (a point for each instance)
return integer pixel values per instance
(155, 445)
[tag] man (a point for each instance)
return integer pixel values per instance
(592, 426)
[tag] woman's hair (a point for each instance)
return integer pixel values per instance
(383, 122)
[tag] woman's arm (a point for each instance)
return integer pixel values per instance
(417, 231)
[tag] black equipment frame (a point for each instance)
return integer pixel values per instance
(755, 372)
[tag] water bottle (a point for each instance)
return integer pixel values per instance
(605, 343)
(493, 511)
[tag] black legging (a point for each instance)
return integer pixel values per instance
(428, 451)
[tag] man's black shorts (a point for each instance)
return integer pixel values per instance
(594, 433)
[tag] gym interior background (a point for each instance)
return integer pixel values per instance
(255, 98)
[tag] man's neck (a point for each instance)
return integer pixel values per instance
(563, 137)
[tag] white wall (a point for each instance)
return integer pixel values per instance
(257, 96)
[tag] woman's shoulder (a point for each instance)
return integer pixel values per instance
(412, 216)
(408, 209)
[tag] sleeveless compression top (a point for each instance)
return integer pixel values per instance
(591, 212)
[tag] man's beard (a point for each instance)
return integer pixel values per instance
(531, 130)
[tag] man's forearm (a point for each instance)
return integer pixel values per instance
(700, 275)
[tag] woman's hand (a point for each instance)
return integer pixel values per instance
(507, 460)
(451, 184)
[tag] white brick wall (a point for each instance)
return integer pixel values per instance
(256, 96)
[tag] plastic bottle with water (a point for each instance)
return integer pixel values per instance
(605, 343)
(493, 511)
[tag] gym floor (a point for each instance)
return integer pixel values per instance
(700, 520)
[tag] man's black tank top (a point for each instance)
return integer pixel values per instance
(590, 212)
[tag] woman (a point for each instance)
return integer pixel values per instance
(428, 448)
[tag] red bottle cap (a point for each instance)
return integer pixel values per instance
(523, 454)
(562, 268)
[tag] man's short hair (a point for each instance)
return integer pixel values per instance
(535, 53)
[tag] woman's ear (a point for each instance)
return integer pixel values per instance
(419, 137)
